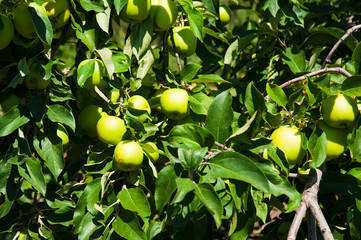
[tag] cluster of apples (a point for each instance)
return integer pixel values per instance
(58, 13)
(339, 113)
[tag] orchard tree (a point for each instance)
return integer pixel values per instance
(162, 119)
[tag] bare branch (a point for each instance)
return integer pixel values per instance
(101, 94)
(297, 220)
(223, 146)
(321, 220)
(343, 38)
(175, 50)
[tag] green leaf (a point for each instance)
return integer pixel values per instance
(277, 94)
(296, 60)
(215, 34)
(189, 71)
(195, 19)
(103, 19)
(191, 134)
(355, 144)
(254, 100)
(12, 120)
(278, 157)
(88, 226)
(188, 156)
(238, 46)
(127, 226)
(106, 55)
(273, 7)
(145, 63)
(199, 103)
(135, 200)
(184, 186)
(42, 23)
(237, 166)
(88, 34)
(220, 117)
(58, 113)
(165, 185)
(317, 145)
(209, 78)
(352, 86)
(121, 62)
(141, 37)
(32, 172)
(90, 5)
(85, 70)
(5, 171)
(356, 59)
(208, 196)
(119, 4)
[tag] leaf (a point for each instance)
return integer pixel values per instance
(355, 144)
(11, 121)
(103, 19)
(215, 34)
(127, 226)
(5, 171)
(296, 60)
(42, 23)
(165, 185)
(199, 103)
(141, 37)
(121, 62)
(243, 129)
(191, 134)
(119, 4)
(317, 145)
(208, 196)
(189, 71)
(58, 113)
(352, 86)
(106, 55)
(237, 166)
(88, 226)
(188, 156)
(32, 172)
(273, 7)
(184, 186)
(134, 199)
(90, 5)
(209, 78)
(195, 19)
(85, 70)
(277, 94)
(254, 100)
(356, 59)
(220, 117)
(145, 64)
(239, 45)
(88, 35)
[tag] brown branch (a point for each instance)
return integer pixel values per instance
(343, 38)
(175, 51)
(101, 94)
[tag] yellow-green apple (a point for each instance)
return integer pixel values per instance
(35, 80)
(135, 11)
(128, 156)
(339, 111)
(164, 14)
(140, 103)
(6, 31)
(289, 140)
(89, 117)
(184, 40)
(174, 103)
(113, 95)
(58, 12)
(336, 140)
(224, 14)
(110, 129)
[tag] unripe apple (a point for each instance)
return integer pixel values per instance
(224, 14)
(174, 103)
(63, 134)
(184, 40)
(336, 140)
(35, 80)
(97, 77)
(58, 12)
(339, 111)
(128, 156)
(9, 102)
(7, 32)
(289, 140)
(110, 129)
(151, 150)
(164, 14)
(113, 95)
(139, 102)
(135, 11)
(89, 117)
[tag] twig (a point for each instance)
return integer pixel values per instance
(297, 220)
(165, 53)
(101, 94)
(343, 38)
(297, 175)
(65, 29)
(223, 147)
(175, 50)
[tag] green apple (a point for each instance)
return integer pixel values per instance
(155, 100)
(110, 129)
(9, 102)
(97, 77)
(151, 150)
(63, 134)
(89, 117)
(184, 40)
(339, 111)
(58, 12)
(289, 140)
(113, 95)
(336, 140)
(135, 11)
(128, 156)
(174, 103)
(224, 14)
(35, 80)
(6, 31)
(140, 103)
(164, 14)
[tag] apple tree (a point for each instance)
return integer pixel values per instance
(162, 119)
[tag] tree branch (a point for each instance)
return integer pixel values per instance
(343, 38)
(175, 50)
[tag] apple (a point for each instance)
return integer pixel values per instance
(35, 80)
(140, 103)
(224, 14)
(135, 11)
(89, 117)
(6, 32)
(58, 12)
(128, 156)
(113, 95)
(336, 140)
(164, 14)
(63, 134)
(151, 150)
(184, 40)
(110, 129)
(9, 102)
(97, 77)
(289, 140)
(174, 103)
(339, 111)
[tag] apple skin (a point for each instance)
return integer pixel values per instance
(289, 140)
(23, 22)
(63, 134)
(174, 103)
(336, 140)
(110, 129)
(89, 117)
(139, 102)
(224, 14)
(97, 78)
(339, 111)
(151, 150)
(58, 12)
(128, 156)
(164, 14)
(34, 80)
(113, 95)
(7, 33)
(184, 40)
(135, 11)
